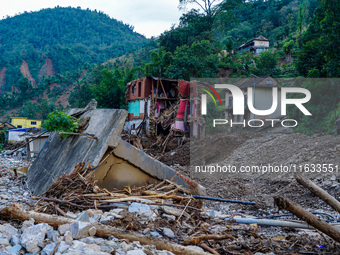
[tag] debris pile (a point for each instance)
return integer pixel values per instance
(67, 239)
(161, 114)
(12, 186)
(78, 190)
(75, 215)
(148, 220)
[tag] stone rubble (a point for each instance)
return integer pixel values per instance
(42, 239)
(13, 191)
(76, 238)
(79, 237)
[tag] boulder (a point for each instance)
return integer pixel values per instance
(63, 228)
(168, 232)
(68, 238)
(84, 216)
(34, 236)
(80, 230)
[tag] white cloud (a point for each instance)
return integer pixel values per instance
(149, 17)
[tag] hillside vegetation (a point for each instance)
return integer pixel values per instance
(71, 38)
(303, 36)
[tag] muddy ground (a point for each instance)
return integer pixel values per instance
(237, 150)
(297, 151)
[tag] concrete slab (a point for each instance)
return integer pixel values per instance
(60, 155)
(116, 172)
(153, 167)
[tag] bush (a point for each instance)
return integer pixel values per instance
(59, 121)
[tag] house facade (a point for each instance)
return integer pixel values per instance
(146, 99)
(256, 45)
(21, 122)
(160, 106)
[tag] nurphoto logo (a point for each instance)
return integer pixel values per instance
(236, 98)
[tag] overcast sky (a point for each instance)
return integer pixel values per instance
(149, 17)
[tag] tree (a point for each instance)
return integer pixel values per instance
(80, 96)
(320, 52)
(193, 26)
(24, 85)
(246, 62)
(36, 110)
(109, 89)
(325, 91)
(228, 43)
(209, 7)
(160, 61)
(199, 60)
(25, 88)
(266, 63)
(59, 121)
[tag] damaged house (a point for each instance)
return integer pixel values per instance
(160, 106)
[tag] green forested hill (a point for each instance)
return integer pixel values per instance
(233, 22)
(65, 43)
(71, 37)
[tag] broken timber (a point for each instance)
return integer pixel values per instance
(297, 210)
(15, 212)
(316, 190)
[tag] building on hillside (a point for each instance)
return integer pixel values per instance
(256, 45)
(262, 98)
(6, 125)
(21, 122)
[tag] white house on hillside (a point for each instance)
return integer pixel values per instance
(255, 45)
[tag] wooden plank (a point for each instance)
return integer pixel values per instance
(297, 210)
(319, 192)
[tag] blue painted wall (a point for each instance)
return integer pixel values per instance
(134, 107)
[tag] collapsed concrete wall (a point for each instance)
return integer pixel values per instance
(60, 155)
(127, 165)
(118, 163)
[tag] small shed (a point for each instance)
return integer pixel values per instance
(19, 134)
(36, 143)
(256, 45)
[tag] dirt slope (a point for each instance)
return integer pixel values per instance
(264, 149)
(47, 69)
(26, 72)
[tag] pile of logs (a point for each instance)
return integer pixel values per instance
(297, 210)
(78, 190)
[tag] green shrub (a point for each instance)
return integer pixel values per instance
(58, 121)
